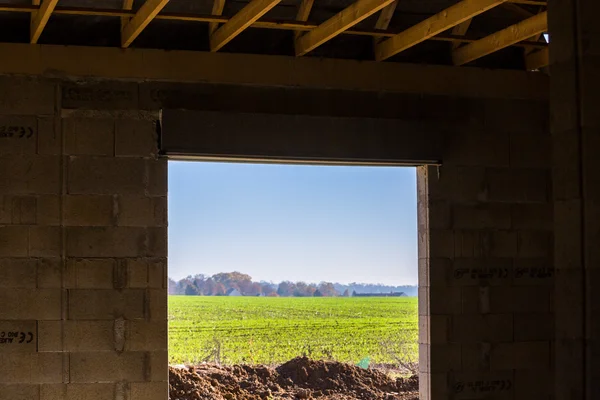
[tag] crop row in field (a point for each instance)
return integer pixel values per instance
(265, 330)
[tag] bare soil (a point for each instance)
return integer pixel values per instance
(300, 378)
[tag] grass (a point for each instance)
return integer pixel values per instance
(265, 330)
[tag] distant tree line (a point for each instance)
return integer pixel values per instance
(222, 283)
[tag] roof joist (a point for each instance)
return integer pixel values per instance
(450, 17)
(303, 14)
(240, 21)
(385, 17)
(142, 18)
(217, 9)
(337, 24)
(501, 39)
(40, 18)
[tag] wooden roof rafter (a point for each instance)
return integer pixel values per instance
(240, 21)
(432, 26)
(40, 18)
(141, 19)
(501, 39)
(337, 24)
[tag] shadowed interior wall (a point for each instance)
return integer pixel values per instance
(83, 243)
(84, 212)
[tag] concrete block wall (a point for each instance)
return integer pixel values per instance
(575, 127)
(485, 257)
(83, 247)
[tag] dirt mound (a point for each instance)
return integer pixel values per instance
(299, 378)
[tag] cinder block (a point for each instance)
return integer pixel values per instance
(48, 367)
(157, 177)
(90, 273)
(495, 216)
(533, 216)
(439, 213)
(19, 392)
(137, 273)
(50, 336)
(157, 304)
(441, 243)
(106, 175)
(29, 174)
(27, 96)
(18, 210)
(480, 384)
(89, 136)
(445, 357)
(534, 327)
(31, 368)
(49, 136)
(136, 138)
(157, 242)
(535, 244)
(530, 151)
(100, 96)
(106, 304)
(520, 356)
(17, 273)
(533, 271)
(475, 148)
(18, 134)
(158, 370)
(519, 185)
(29, 304)
(88, 210)
(99, 367)
(520, 299)
(475, 356)
(534, 384)
(48, 210)
(106, 242)
(14, 241)
(142, 211)
(533, 355)
(82, 336)
(149, 390)
(568, 234)
(491, 328)
(50, 273)
(53, 391)
(482, 271)
(45, 241)
(157, 273)
(438, 327)
(445, 300)
(91, 391)
(147, 336)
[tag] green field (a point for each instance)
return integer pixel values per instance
(267, 330)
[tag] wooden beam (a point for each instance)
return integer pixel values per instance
(501, 39)
(303, 14)
(240, 21)
(147, 65)
(450, 17)
(384, 19)
(537, 60)
(127, 5)
(461, 30)
(335, 25)
(217, 9)
(142, 18)
(40, 18)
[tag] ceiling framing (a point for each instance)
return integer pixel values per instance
(452, 24)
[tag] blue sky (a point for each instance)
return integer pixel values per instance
(293, 222)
